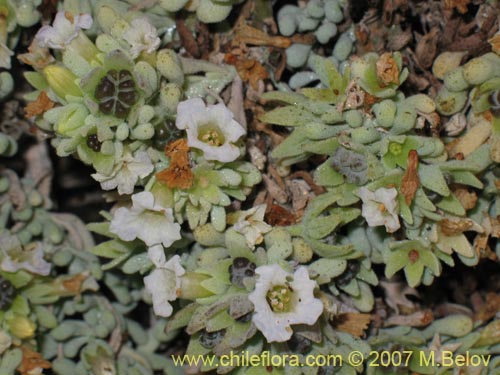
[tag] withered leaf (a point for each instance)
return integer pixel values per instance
(73, 284)
(249, 70)
(495, 43)
(352, 323)
(454, 227)
(489, 309)
(417, 319)
(468, 199)
(410, 181)
(279, 216)
(459, 5)
(247, 34)
(387, 69)
(32, 362)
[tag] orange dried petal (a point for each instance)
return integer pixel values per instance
(41, 105)
(176, 175)
(176, 147)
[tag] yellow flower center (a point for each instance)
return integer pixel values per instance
(211, 134)
(395, 148)
(279, 298)
(382, 207)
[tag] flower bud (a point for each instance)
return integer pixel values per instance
(61, 81)
(21, 326)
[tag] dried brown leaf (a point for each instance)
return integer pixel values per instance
(459, 5)
(455, 227)
(396, 295)
(249, 70)
(489, 308)
(187, 39)
(352, 323)
(317, 189)
(73, 284)
(417, 319)
(275, 190)
(32, 362)
(468, 199)
(387, 69)
(491, 228)
(38, 57)
(279, 216)
(300, 193)
(250, 35)
(41, 105)
(495, 43)
(426, 48)
(410, 181)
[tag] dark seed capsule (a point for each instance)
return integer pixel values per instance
(350, 273)
(299, 344)
(121, 111)
(128, 97)
(210, 339)
(116, 93)
(240, 269)
(7, 293)
(124, 75)
(240, 262)
(161, 133)
(93, 142)
(106, 89)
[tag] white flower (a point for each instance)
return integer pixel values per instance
(164, 282)
(211, 129)
(64, 29)
(142, 36)
(16, 256)
(5, 54)
(126, 173)
(380, 208)
(251, 224)
(280, 303)
(147, 221)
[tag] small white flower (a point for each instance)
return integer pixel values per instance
(251, 224)
(64, 29)
(380, 208)
(147, 221)
(126, 173)
(142, 36)
(17, 257)
(280, 303)
(211, 129)
(164, 282)
(5, 54)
